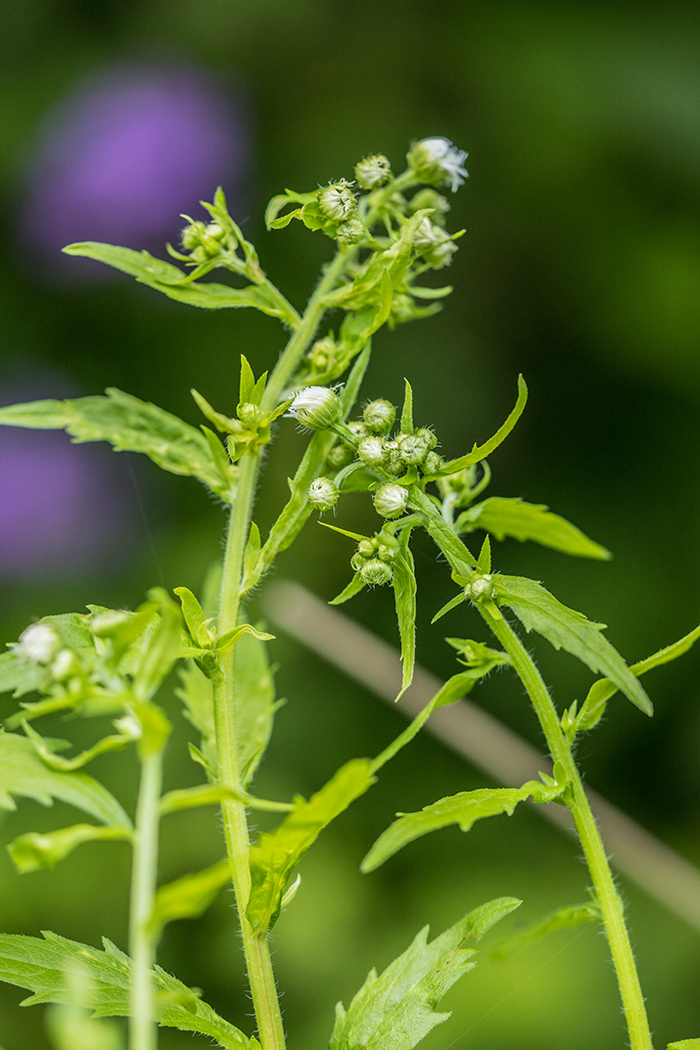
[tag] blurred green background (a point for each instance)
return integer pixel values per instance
(580, 268)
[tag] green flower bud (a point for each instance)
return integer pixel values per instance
(427, 198)
(427, 435)
(432, 463)
(351, 232)
(316, 407)
(367, 548)
(358, 430)
(357, 561)
(393, 460)
(390, 500)
(379, 416)
(373, 171)
(412, 449)
(322, 353)
(480, 588)
(337, 201)
(37, 643)
(250, 415)
(375, 573)
(436, 246)
(340, 455)
(323, 493)
(371, 451)
(438, 163)
(386, 552)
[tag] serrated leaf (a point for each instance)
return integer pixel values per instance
(529, 521)
(189, 896)
(404, 584)
(129, 425)
(462, 809)
(255, 703)
(564, 628)
(568, 918)
(22, 773)
(600, 692)
(685, 1044)
(480, 452)
(396, 1010)
(48, 969)
(407, 410)
(34, 851)
(196, 692)
(18, 675)
(277, 853)
(161, 647)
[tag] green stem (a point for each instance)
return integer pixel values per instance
(142, 945)
(608, 898)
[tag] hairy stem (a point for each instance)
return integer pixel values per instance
(142, 945)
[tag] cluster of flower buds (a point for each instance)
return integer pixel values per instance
(395, 455)
(372, 560)
(40, 644)
(204, 241)
(434, 244)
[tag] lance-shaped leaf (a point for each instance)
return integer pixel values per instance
(197, 694)
(601, 691)
(538, 610)
(396, 1010)
(22, 773)
(49, 967)
(129, 425)
(529, 521)
(255, 703)
(563, 919)
(480, 452)
(462, 809)
(275, 856)
(404, 584)
(188, 897)
(34, 851)
(161, 648)
(215, 794)
(685, 1044)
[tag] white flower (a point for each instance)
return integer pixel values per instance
(437, 162)
(38, 643)
(316, 407)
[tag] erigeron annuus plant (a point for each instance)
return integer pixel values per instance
(111, 664)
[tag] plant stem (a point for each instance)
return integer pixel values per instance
(142, 946)
(608, 898)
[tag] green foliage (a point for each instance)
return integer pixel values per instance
(480, 452)
(685, 1044)
(396, 1010)
(129, 425)
(276, 854)
(49, 967)
(568, 918)
(528, 521)
(462, 809)
(404, 583)
(33, 851)
(189, 896)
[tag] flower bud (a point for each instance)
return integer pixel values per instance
(366, 548)
(358, 429)
(388, 547)
(390, 500)
(371, 451)
(337, 201)
(426, 435)
(412, 449)
(323, 493)
(438, 163)
(393, 460)
(480, 588)
(37, 643)
(432, 463)
(250, 415)
(351, 232)
(322, 353)
(340, 455)
(373, 171)
(64, 665)
(379, 416)
(427, 198)
(376, 572)
(436, 246)
(316, 407)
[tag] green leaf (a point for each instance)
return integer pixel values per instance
(188, 897)
(449, 606)
(272, 222)
(463, 809)
(214, 794)
(48, 968)
(480, 452)
(601, 691)
(255, 703)
(396, 1010)
(356, 585)
(34, 851)
(277, 853)
(407, 411)
(685, 1044)
(564, 919)
(196, 692)
(161, 648)
(404, 584)
(529, 521)
(114, 742)
(22, 773)
(129, 425)
(564, 628)
(18, 675)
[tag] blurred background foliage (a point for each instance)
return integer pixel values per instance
(580, 268)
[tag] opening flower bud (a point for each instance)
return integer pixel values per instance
(373, 171)
(337, 201)
(351, 232)
(316, 407)
(480, 588)
(323, 493)
(371, 451)
(38, 643)
(379, 416)
(390, 500)
(412, 449)
(376, 572)
(438, 163)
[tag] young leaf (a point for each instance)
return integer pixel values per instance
(685, 1044)
(396, 1010)
(161, 648)
(48, 968)
(564, 628)
(356, 585)
(480, 452)
(188, 897)
(404, 584)
(276, 854)
(407, 411)
(529, 521)
(34, 851)
(600, 692)
(214, 794)
(129, 425)
(255, 703)
(19, 676)
(22, 772)
(564, 919)
(197, 694)
(463, 809)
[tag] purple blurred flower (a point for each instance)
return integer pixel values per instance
(125, 154)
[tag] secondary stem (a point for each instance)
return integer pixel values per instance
(142, 947)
